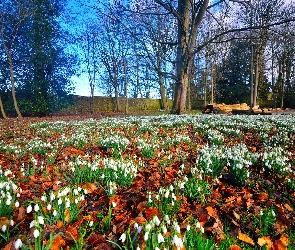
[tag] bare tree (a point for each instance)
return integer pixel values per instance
(10, 24)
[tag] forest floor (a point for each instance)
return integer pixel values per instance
(148, 182)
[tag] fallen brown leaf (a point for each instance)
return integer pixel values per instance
(245, 238)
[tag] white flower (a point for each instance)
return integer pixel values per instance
(166, 194)
(68, 204)
(48, 207)
(177, 242)
(16, 204)
(59, 202)
(164, 229)
(8, 202)
(198, 225)
(273, 213)
(36, 208)
(32, 223)
(3, 228)
(114, 204)
(156, 220)
(18, 244)
(138, 248)
(41, 220)
(146, 236)
(91, 223)
(52, 196)
(188, 227)
(11, 223)
(54, 213)
(29, 209)
(135, 225)
(160, 238)
(43, 198)
(156, 248)
(123, 237)
(36, 233)
(148, 227)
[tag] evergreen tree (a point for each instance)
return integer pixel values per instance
(233, 85)
(48, 67)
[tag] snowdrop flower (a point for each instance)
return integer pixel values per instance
(157, 248)
(36, 233)
(43, 198)
(36, 208)
(3, 228)
(91, 223)
(198, 225)
(68, 204)
(41, 220)
(171, 188)
(135, 225)
(160, 238)
(123, 237)
(148, 227)
(16, 204)
(29, 209)
(32, 223)
(59, 202)
(166, 194)
(18, 244)
(52, 196)
(164, 229)
(177, 242)
(8, 202)
(11, 223)
(273, 213)
(181, 185)
(54, 213)
(156, 220)
(48, 207)
(138, 248)
(188, 227)
(114, 204)
(146, 236)
(166, 218)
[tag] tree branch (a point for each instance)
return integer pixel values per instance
(199, 48)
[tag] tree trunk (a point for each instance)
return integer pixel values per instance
(126, 87)
(256, 80)
(9, 59)
(164, 103)
(189, 104)
(2, 109)
(187, 34)
(251, 77)
(13, 88)
(212, 83)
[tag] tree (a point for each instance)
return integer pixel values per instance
(49, 67)
(12, 14)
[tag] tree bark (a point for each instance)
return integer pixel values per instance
(187, 33)
(9, 59)
(2, 109)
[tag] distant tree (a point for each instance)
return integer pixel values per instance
(233, 84)
(49, 67)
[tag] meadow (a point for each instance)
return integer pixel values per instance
(148, 182)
